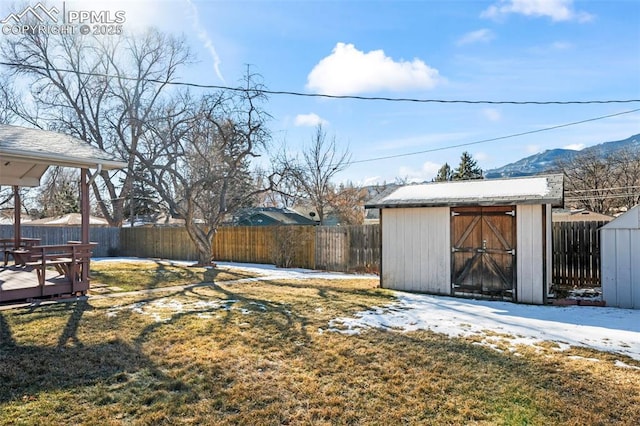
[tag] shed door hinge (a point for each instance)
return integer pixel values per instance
(511, 213)
(455, 214)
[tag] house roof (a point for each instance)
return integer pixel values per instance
(271, 216)
(629, 220)
(69, 219)
(486, 192)
(580, 215)
(27, 153)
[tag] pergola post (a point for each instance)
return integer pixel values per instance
(84, 211)
(84, 205)
(16, 217)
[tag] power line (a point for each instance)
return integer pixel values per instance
(324, 95)
(602, 197)
(603, 189)
(546, 129)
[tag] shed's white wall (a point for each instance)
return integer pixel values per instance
(549, 249)
(620, 256)
(416, 249)
(529, 254)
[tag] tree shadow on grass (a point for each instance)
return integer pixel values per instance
(30, 369)
(280, 317)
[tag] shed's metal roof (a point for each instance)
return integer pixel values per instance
(26, 154)
(486, 192)
(629, 220)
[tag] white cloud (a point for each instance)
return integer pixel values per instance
(557, 10)
(422, 141)
(483, 35)
(349, 71)
(310, 120)
(532, 149)
(428, 171)
(370, 180)
(481, 156)
(492, 114)
(561, 45)
(204, 37)
(574, 146)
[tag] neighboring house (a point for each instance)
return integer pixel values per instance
(160, 221)
(620, 257)
(483, 238)
(272, 216)
(579, 215)
(69, 219)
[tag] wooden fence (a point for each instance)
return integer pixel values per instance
(108, 239)
(576, 254)
(348, 248)
(576, 246)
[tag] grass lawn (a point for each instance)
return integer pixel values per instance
(124, 276)
(260, 353)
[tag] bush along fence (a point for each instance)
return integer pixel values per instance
(576, 246)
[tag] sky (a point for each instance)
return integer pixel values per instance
(495, 50)
(502, 326)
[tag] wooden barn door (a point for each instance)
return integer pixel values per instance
(483, 241)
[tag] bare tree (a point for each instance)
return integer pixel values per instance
(626, 166)
(100, 89)
(199, 159)
(347, 202)
(7, 101)
(588, 181)
(312, 173)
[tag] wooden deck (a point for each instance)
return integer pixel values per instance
(45, 271)
(19, 283)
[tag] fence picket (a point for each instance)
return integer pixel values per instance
(576, 254)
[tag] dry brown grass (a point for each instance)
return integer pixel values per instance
(259, 353)
(124, 276)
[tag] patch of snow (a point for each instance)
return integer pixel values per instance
(143, 260)
(621, 364)
(264, 271)
(605, 329)
(575, 357)
(273, 272)
(162, 310)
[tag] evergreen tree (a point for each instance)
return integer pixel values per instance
(59, 193)
(444, 173)
(143, 199)
(467, 169)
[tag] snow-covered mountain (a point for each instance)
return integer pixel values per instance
(545, 162)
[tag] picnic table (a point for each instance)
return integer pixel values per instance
(70, 260)
(8, 246)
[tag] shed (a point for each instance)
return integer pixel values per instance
(482, 238)
(620, 257)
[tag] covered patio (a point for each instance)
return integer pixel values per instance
(46, 270)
